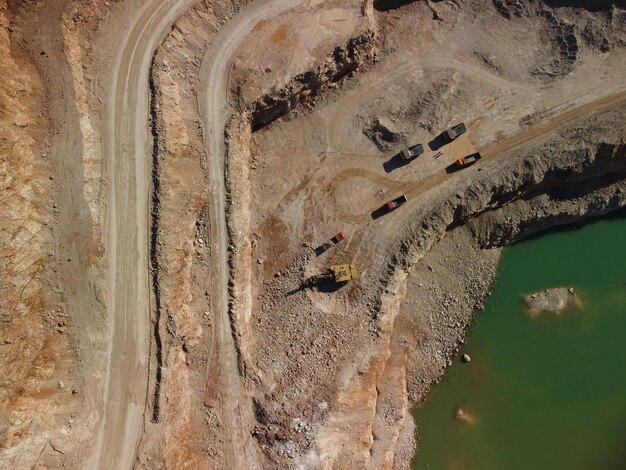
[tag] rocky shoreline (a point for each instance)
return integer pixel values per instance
(493, 211)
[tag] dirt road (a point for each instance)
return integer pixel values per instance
(414, 188)
(128, 173)
(215, 110)
(543, 127)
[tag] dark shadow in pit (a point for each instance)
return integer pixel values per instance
(330, 286)
(396, 162)
(452, 168)
(322, 285)
(320, 250)
(437, 142)
(378, 213)
(589, 5)
(385, 5)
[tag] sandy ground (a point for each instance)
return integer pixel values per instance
(127, 144)
(161, 209)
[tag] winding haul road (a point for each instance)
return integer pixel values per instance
(127, 161)
(215, 111)
(127, 147)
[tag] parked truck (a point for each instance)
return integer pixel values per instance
(467, 161)
(395, 203)
(337, 238)
(329, 244)
(412, 152)
(454, 132)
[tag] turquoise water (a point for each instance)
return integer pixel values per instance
(547, 392)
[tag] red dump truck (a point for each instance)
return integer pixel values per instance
(467, 161)
(395, 203)
(326, 246)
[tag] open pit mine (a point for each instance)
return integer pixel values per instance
(252, 234)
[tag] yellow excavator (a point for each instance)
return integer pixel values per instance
(343, 272)
(337, 274)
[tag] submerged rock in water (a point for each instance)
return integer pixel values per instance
(553, 300)
(463, 416)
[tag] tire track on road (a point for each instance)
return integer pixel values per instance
(127, 163)
(497, 148)
(215, 111)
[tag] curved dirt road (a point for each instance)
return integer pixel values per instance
(128, 172)
(215, 111)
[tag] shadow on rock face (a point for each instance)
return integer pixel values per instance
(385, 5)
(589, 5)
(384, 133)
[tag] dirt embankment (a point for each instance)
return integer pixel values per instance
(58, 54)
(305, 87)
(35, 354)
(282, 440)
(185, 357)
(52, 279)
(182, 429)
(301, 90)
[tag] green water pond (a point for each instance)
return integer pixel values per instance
(543, 392)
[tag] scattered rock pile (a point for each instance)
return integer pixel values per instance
(384, 133)
(304, 87)
(565, 43)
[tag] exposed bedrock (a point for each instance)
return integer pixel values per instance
(587, 182)
(553, 300)
(590, 5)
(562, 181)
(578, 175)
(304, 87)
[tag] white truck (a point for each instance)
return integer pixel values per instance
(454, 132)
(412, 152)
